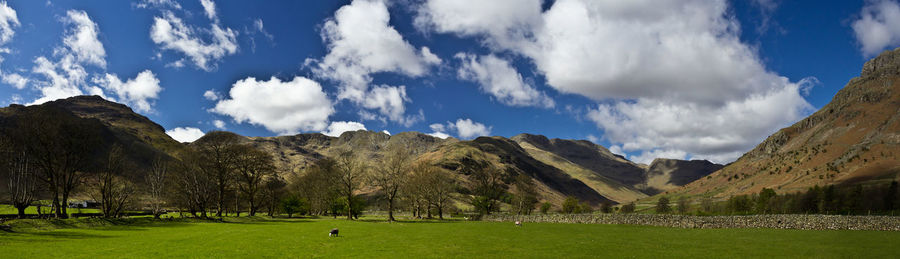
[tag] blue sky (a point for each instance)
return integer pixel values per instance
(688, 79)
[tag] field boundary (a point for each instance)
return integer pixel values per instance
(778, 221)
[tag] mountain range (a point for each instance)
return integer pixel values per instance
(559, 167)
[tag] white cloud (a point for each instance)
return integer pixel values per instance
(389, 101)
(878, 26)
(211, 95)
(386, 132)
(209, 7)
(8, 20)
(158, 4)
(281, 107)
(219, 124)
(81, 39)
(499, 79)
(361, 42)
(136, 92)
(437, 127)
(203, 47)
(466, 128)
(185, 134)
(336, 128)
(16, 80)
(646, 61)
(503, 20)
(67, 76)
(439, 135)
(720, 134)
(648, 156)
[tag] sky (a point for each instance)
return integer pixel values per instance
(684, 79)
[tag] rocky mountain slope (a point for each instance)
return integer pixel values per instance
(853, 139)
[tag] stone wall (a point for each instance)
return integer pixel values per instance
(817, 222)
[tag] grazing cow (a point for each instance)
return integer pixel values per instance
(518, 223)
(333, 232)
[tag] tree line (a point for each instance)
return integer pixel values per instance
(858, 199)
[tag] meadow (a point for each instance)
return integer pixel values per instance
(267, 237)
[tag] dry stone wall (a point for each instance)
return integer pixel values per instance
(815, 222)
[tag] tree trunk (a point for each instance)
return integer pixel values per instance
(55, 203)
(350, 206)
(440, 208)
(428, 208)
(391, 209)
(21, 209)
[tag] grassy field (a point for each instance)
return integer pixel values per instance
(94, 238)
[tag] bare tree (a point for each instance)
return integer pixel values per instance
(61, 147)
(218, 149)
(351, 173)
(252, 166)
(156, 184)
(526, 195)
(21, 175)
(272, 190)
(392, 173)
(195, 183)
(438, 187)
(488, 187)
(112, 190)
(320, 185)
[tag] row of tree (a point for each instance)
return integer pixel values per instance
(844, 200)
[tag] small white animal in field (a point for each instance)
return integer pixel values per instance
(518, 223)
(333, 232)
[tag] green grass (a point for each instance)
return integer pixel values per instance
(242, 238)
(9, 209)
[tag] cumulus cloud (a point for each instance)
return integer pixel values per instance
(499, 79)
(185, 134)
(878, 26)
(719, 133)
(8, 21)
(136, 92)
(464, 128)
(81, 39)
(66, 76)
(386, 132)
(361, 42)
(283, 107)
(204, 47)
(211, 95)
(336, 128)
(16, 80)
(646, 62)
(219, 124)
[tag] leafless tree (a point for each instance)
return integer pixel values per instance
(112, 190)
(319, 184)
(195, 184)
(272, 191)
(526, 195)
(218, 149)
(61, 146)
(351, 171)
(21, 175)
(438, 187)
(252, 166)
(392, 173)
(156, 180)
